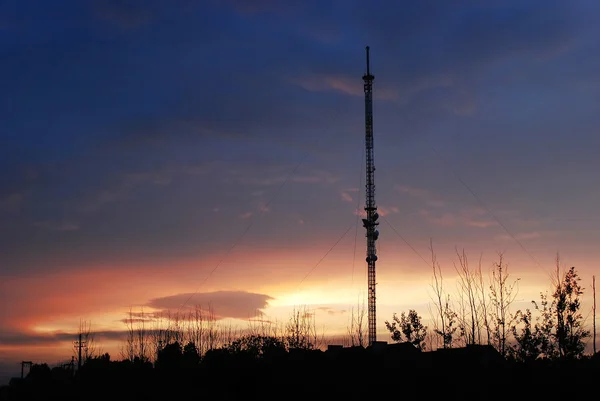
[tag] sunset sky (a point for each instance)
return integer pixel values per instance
(211, 151)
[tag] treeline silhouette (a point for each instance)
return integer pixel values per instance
(255, 368)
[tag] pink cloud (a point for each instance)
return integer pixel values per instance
(346, 197)
(469, 218)
(416, 192)
(422, 194)
(445, 219)
(481, 223)
(342, 84)
(382, 210)
(529, 235)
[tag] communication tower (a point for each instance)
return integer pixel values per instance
(370, 222)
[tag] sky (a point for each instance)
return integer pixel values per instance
(154, 154)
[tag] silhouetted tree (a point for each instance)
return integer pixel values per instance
(483, 302)
(469, 305)
(170, 357)
(256, 346)
(558, 331)
(569, 328)
(444, 318)
(191, 355)
(138, 341)
(544, 327)
(410, 326)
(257, 327)
(528, 340)
(301, 330)
(502, 296)
(357, 325)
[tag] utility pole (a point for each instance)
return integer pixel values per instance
(370, 222)
(80, 344)
(594, 309)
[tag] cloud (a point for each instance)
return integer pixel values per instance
(384, 211)
(442, 213)
(381, 210)
(275, 175)
(466, 217)
(127, 183)
(346, 197)
(58, 226)
(225, 304)
(521, 236)
(530, 235)
(331, 311)
(341, 84)
(422, 194)
(127, 14)
(11, 202)
(12, 338)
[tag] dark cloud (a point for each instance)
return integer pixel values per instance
(125, 13)
(331, 311)
(224, 304)
(50, 339)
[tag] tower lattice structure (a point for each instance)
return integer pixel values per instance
(370, 222)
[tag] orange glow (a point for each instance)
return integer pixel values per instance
(103, 295)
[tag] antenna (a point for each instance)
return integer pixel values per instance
(370, 222)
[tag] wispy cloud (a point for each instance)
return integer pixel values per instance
(381, 210)
(11, 202)
(277, 175)
(331, 311)
(12, 338)
(423, 194)
(58, 226)
(346, 197)
(127, 182)
(530, 235)
(466, 217)
(341, 84)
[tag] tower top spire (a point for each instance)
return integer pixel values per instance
(368, 75)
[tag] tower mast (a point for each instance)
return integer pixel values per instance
(370, 222)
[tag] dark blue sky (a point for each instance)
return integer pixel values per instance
(138, 133)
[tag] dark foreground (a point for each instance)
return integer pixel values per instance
(348, 374)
